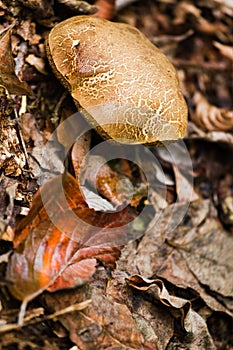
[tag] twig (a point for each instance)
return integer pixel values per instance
(21, 137)
(76, 307)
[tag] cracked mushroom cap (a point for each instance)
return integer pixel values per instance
(126, 87)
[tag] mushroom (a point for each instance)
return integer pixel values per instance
(125, 86)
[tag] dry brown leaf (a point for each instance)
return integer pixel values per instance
(209, 257)
(107, 324)
(82, 7)
(207, 27)
(226, 6)
(166, 254)
(30, 130)
(41, 8)
(183, 9)
(36, 62)
(8, 78)
(184, 186)
(7, 196)
(12, 157)
(215, 136)
(225, 50)
(27, 30)
(210, 117)
(195, 326)
(78, 154)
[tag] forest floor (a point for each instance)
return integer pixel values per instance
(171, 286)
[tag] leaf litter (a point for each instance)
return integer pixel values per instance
(184, 298)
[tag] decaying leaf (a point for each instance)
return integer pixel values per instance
(42, 8)
(210, 117)
(27, 31)
(59, 242)
(118, 189)
(8, 78)
(194, 261)
(184, 187)
(7, 195)
(12, 157)
(109, 322)
(195, 326)
(195, 254)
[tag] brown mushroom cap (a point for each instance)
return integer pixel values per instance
(127, 86)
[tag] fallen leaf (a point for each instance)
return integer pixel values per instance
(108, 323)
(184, 186)
(225, 6)
(12, 156)
(27, 30)
(118, 189)
(8, 78)
(36, 62)
(59, 242)
(30, 129)
(41, 8)
(197, 332)
(215, 136)
(225, 50)
(191, 256)
(82, 7)
(210, 117)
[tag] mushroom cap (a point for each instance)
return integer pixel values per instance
(127, 87)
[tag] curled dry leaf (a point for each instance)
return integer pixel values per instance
(8, 78)
(210, 117)
(193, 324)
(60, 250)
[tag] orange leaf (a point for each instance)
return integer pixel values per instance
(58, 244)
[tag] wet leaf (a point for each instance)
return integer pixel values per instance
(60, 250)
(118, 189)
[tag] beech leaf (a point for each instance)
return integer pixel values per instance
(58, 244)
